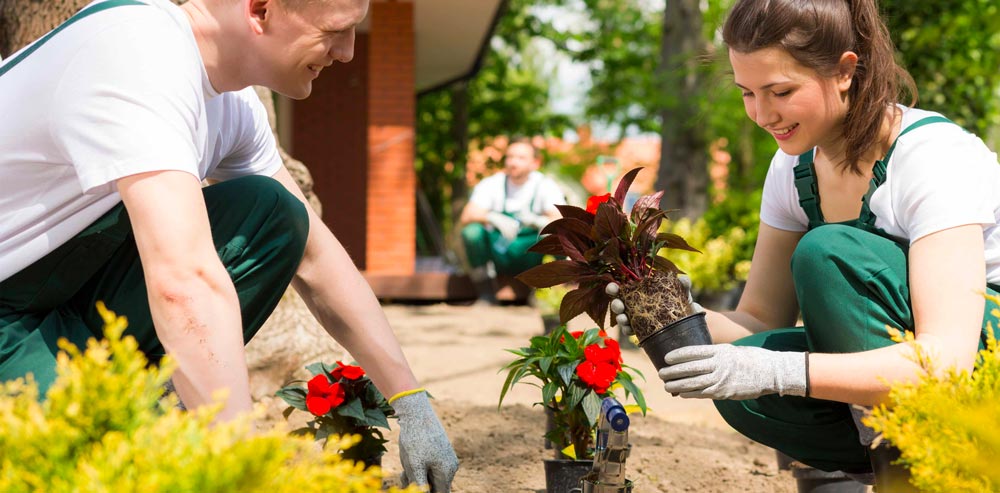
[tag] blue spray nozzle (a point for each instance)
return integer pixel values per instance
(615, 414)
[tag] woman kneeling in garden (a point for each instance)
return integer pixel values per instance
(874, 215)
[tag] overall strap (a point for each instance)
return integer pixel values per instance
(805, 183)
(79, 15)
(880, 169)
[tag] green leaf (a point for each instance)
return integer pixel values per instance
(635, 392)
(375, 417)
(592, 407)
(351, 409)
(574, 394)
(294, 396)
(549, 392)
(567, 371)
(317, 368)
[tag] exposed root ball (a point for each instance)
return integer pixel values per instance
(654, 302)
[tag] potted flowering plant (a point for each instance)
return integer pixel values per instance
(604, 244)
(342, 401)
(575, 371)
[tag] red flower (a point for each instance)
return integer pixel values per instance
(323, 395)
(595, 201)
(611, 353)
(597, 375)
(349, 372)
(577, 333)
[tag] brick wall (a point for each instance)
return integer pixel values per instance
(391, 202)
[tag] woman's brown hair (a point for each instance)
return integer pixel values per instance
(816, 33)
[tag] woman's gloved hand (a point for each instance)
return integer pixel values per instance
(724, 371)
(618, 306)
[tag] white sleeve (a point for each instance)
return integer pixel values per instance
(129, 103)
(483, 195)
(254, 151)
(779, 203)
(550, 195)
(949, 179)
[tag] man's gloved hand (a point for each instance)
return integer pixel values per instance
(424, 449)
(618, 306)
(533, 220)
(506, 225)
(724, 371)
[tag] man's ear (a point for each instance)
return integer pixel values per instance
(846, 68)
(258, 14)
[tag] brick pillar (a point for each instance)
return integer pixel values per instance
(391, 214)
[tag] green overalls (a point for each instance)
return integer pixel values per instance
(509, 257)
(259, 230)
(851, 282)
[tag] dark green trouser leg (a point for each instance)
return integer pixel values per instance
(259, 230)
(510, 258)
(850, 284)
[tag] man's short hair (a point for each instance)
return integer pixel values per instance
(526, 141)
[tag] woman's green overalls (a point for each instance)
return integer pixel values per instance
(851, 282)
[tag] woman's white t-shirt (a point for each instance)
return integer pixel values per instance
(938, 177)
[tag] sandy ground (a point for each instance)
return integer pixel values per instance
(457, 351)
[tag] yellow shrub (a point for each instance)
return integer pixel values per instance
(717, 268)
(103, 428)
(946, 426)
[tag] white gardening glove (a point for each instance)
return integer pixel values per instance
(424, 449)
(506, 225)
(724, 371)
(618, 306)
(533, 220)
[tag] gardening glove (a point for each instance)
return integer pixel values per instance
(506, 225)
(618, 306)
(424, 449)
(724, 371)
(533, 220)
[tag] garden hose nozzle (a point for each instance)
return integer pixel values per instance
(611, 449)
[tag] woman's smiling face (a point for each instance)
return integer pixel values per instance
(797, 106)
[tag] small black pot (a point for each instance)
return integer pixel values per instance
(688, 331)
(564, 475)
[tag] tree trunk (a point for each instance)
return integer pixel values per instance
(23, 21)
(683, 172)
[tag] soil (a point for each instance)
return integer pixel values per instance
(457, 352)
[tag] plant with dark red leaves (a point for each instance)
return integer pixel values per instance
(603, 244)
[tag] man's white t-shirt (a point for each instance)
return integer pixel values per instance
(120, 92)
(938, 177)
(539, 194)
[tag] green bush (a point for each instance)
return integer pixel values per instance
(945, 424)
(719, 266)
(104, 428)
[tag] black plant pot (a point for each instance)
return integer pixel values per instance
(688, 331)
(564, 475)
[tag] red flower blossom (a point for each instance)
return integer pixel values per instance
(349, 372)
(597, 375)
(595, 201)
(611, 353)
(323, 395)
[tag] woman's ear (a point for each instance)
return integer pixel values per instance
(846, 68)
(258, 14)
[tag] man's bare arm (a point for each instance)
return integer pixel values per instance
(343, 302)
(193, 303)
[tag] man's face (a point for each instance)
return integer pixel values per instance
(305, 39)
(519, 161)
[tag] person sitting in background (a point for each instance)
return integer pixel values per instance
(504, 216)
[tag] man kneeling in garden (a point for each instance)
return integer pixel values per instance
(111, 124)
(504, 216)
